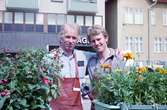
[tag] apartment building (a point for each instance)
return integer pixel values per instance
(139, 26)
(36, 23)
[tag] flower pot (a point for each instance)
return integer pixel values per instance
(103, 106)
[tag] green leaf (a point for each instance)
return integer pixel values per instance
(23, 102)
(2, 101)
(10, 108)
(42, 106)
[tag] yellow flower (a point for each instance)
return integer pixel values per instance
(141, 69)
(158, 69)
(140, 78)
(105, 66)
(128, 55)
(165, 71)
(161, 70)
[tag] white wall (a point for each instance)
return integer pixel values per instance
(2, 4)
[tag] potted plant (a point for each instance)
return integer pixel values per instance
(28, 80)
(135, 88)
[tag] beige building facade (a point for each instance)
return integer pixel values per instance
(139, 26)
(133, 25)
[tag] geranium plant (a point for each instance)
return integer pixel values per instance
(28, 80)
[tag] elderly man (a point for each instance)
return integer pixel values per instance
(74, 62)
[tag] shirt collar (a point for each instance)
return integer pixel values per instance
(63, 53)
(112, 54)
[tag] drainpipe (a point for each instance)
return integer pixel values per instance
(149, 26)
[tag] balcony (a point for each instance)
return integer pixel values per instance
(26, 5)
(82, 6)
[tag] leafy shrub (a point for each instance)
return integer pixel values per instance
(27, 80)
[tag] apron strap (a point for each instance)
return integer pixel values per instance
(76, 66)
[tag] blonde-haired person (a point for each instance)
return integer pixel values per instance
(74, 64)
(98, 39)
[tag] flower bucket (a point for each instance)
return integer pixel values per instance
(103, 106)
(147, 107)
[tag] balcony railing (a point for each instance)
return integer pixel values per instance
(22, 5)
(82, 6)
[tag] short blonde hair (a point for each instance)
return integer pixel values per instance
(65, 27)
(96, 30)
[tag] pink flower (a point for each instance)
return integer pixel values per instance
(5, 93)
(3, 81)
(45, 80)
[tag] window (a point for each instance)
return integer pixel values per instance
(134, 44)
(39, 22)
(60, 19)
(129, 43)
(155, 44)
(98, 20)
(8, 20)
(51, 23)
(165, 45)
(1, 17)
(51, 19)
(152, 17)
(1, 21)
(138, 16)
(80, 20)
(158, 45)
(70, 19)
(88, 21)
(164, 17)
(133, 16)
(18, 21)
(8, 17)
(29, 18)
(128, 17)
(18, 18)
(141, 44)
(29, 22)
(138, 44)
(39, 19)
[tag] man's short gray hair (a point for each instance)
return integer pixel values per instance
(65, 27)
